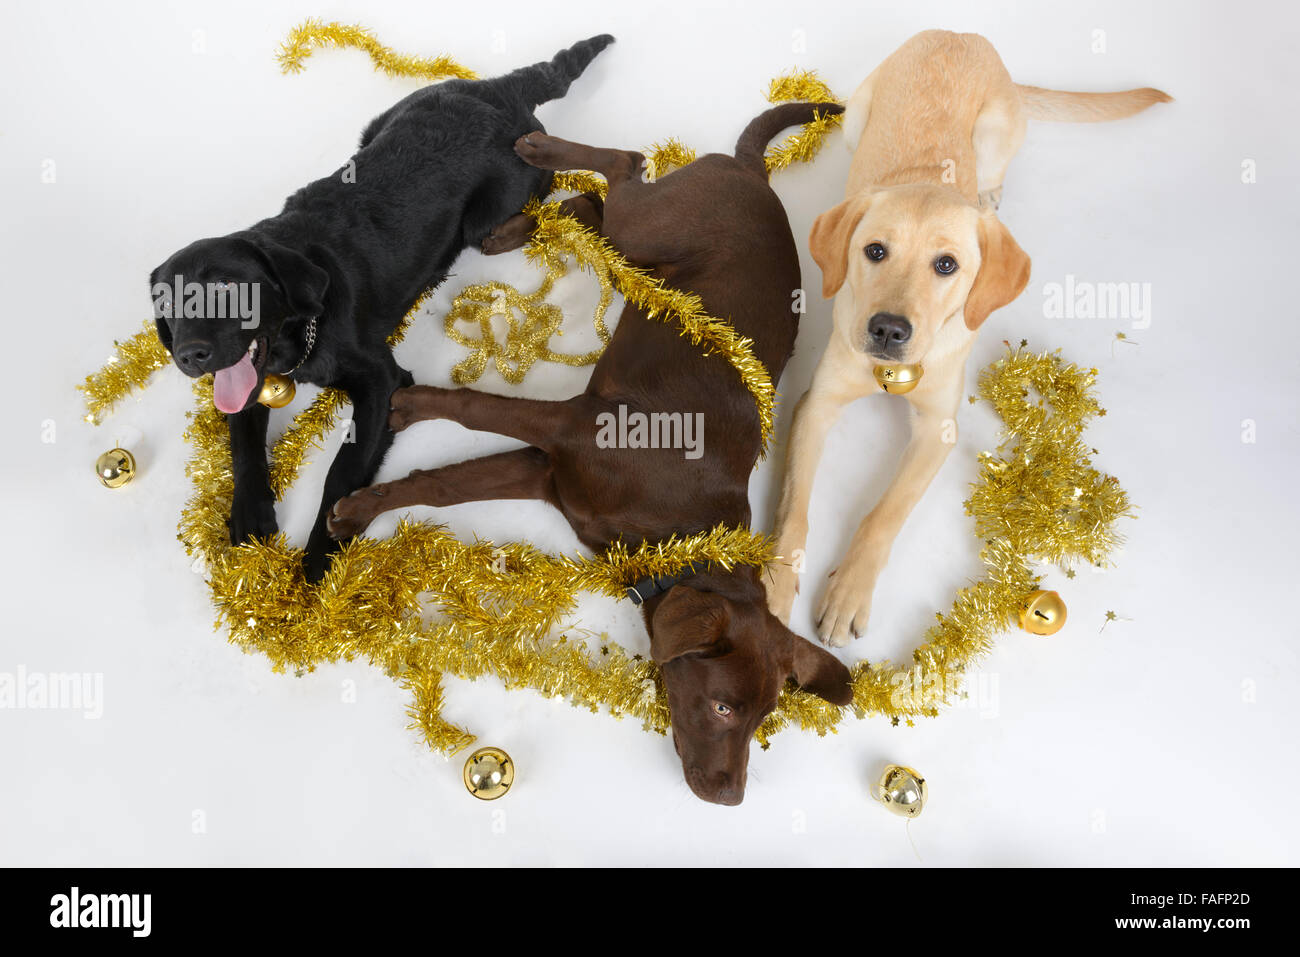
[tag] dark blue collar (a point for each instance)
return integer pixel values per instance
(647, 588)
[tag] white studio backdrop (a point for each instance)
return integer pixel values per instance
(1164, 738)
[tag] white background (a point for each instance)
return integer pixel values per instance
(1167, 738)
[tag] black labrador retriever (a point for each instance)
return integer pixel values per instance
(315, 292)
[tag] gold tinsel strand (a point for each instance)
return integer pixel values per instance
(374, 601)
(663, 158)
(527, 342)
(530, 321)
(312, 34)
(130, 368)
(559, 232)
(426, 712)
(806, 87)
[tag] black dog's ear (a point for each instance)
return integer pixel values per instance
(820, 672)
(157, 290)
(164, 333)
(686, 622)
(300, 281)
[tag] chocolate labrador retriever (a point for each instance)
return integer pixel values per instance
(714, 228)
(320, 287)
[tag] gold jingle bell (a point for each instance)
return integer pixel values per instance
(277, 391)
(1043, 613)
(489, 772)
(898, 379)
(115, 468)
(902, 791)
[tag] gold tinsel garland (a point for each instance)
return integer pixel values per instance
(1038, 498)
(312, 34)
(130, 367)
(527, 339)
(560, 234)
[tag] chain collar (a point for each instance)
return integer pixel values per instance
(311, 341)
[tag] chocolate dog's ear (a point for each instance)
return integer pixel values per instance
(1003, 275)
(829, 240)
(300, 281)
(686, 622)
(817, 670)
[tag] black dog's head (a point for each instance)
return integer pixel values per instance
(220, 304)
(724, 663)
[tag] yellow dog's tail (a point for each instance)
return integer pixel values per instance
(1062, 107)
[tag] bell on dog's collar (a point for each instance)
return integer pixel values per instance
(898, 379)
(277, 391)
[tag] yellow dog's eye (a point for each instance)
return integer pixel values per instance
(945, 265)
(875, 252)
(720, 709)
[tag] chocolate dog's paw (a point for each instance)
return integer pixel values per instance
(538, 149)
(410, 405)
(512, 234)
(251, 518)
(353, 513)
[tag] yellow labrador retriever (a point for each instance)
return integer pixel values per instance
(916, 259)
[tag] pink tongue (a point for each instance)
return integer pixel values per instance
(231, 386)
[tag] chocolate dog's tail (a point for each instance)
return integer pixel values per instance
(550, 79)
(753, 142)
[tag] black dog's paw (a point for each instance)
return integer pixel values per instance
(316, 561)
(512, 234)
(252, 517)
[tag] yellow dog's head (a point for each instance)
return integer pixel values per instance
(913, 258)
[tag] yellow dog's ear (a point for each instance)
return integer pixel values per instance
(829, 240)
(1003, 275)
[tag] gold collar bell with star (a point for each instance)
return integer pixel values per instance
(898, 379)
(277, 391)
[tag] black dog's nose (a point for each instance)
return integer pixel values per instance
(193, 357)
(887, 329)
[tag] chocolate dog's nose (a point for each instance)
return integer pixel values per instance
(887, 329)
(729, 797)
(193, 357)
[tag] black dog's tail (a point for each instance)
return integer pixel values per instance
(549, 80)
(753, 142)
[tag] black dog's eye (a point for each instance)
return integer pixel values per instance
(721, 710)
(945, 265)
(875, 252)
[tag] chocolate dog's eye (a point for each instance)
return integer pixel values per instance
(945, 265)
(721, 709)
(875, 252)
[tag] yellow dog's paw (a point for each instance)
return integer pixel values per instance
(782, 585)
(846, 607)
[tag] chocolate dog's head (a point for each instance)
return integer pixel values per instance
(724, 662)
(220, 305)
